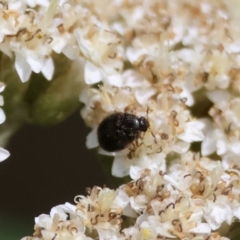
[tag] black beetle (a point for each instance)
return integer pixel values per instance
(118, 130)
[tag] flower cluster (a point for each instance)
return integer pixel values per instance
(98, 214)
(31, 37)
(175, 63)
(175, 51)
(189, 200)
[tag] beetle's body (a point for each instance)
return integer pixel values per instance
(118, 130)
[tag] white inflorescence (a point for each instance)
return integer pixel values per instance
(190, 200)
(31, 36)
(4, 154)
(165, 60)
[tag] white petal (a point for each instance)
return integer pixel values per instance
(35, 62)
(115, 80)
(48, 69)
(1, 36)
(180, 146)
(235, 147)
(117, 26)
(4, 47)
(202, 228)
(219, 97)
(138, 203)
(1, 100)
(232, 48)
(175, 182)
(143, 95)
(129, 212)
(223, 81)
(208, 145)
(135, 54)
(133, 79)
(221, 146)
(185, 94)
(121, 200)
(159, 228)
(216, 214)
(58, 211)
(236, 212)
(103, 152)
(2, 116)
(33, 4)
(92, 74)
(92, 141)
(44, 221)
(16, 5)
(58, 45)
(2, 86)
(135, 172)
(71, 52)
(120, 166)
(23, 68)
(4, 154)
(82, 43)
(192, 132)
(106, 234)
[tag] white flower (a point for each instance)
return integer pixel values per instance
(223, 134)
(122, 165)
(60, 224)
(34, 3)
(4, 154)
(192, 132)
(171, 127)
(154, 59)
(92, 74)
(102, 210)
(217, 213)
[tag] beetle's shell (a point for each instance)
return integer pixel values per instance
(118, 130)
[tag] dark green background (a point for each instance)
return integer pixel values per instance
(48, 166)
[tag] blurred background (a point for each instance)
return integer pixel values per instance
(48, 166)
